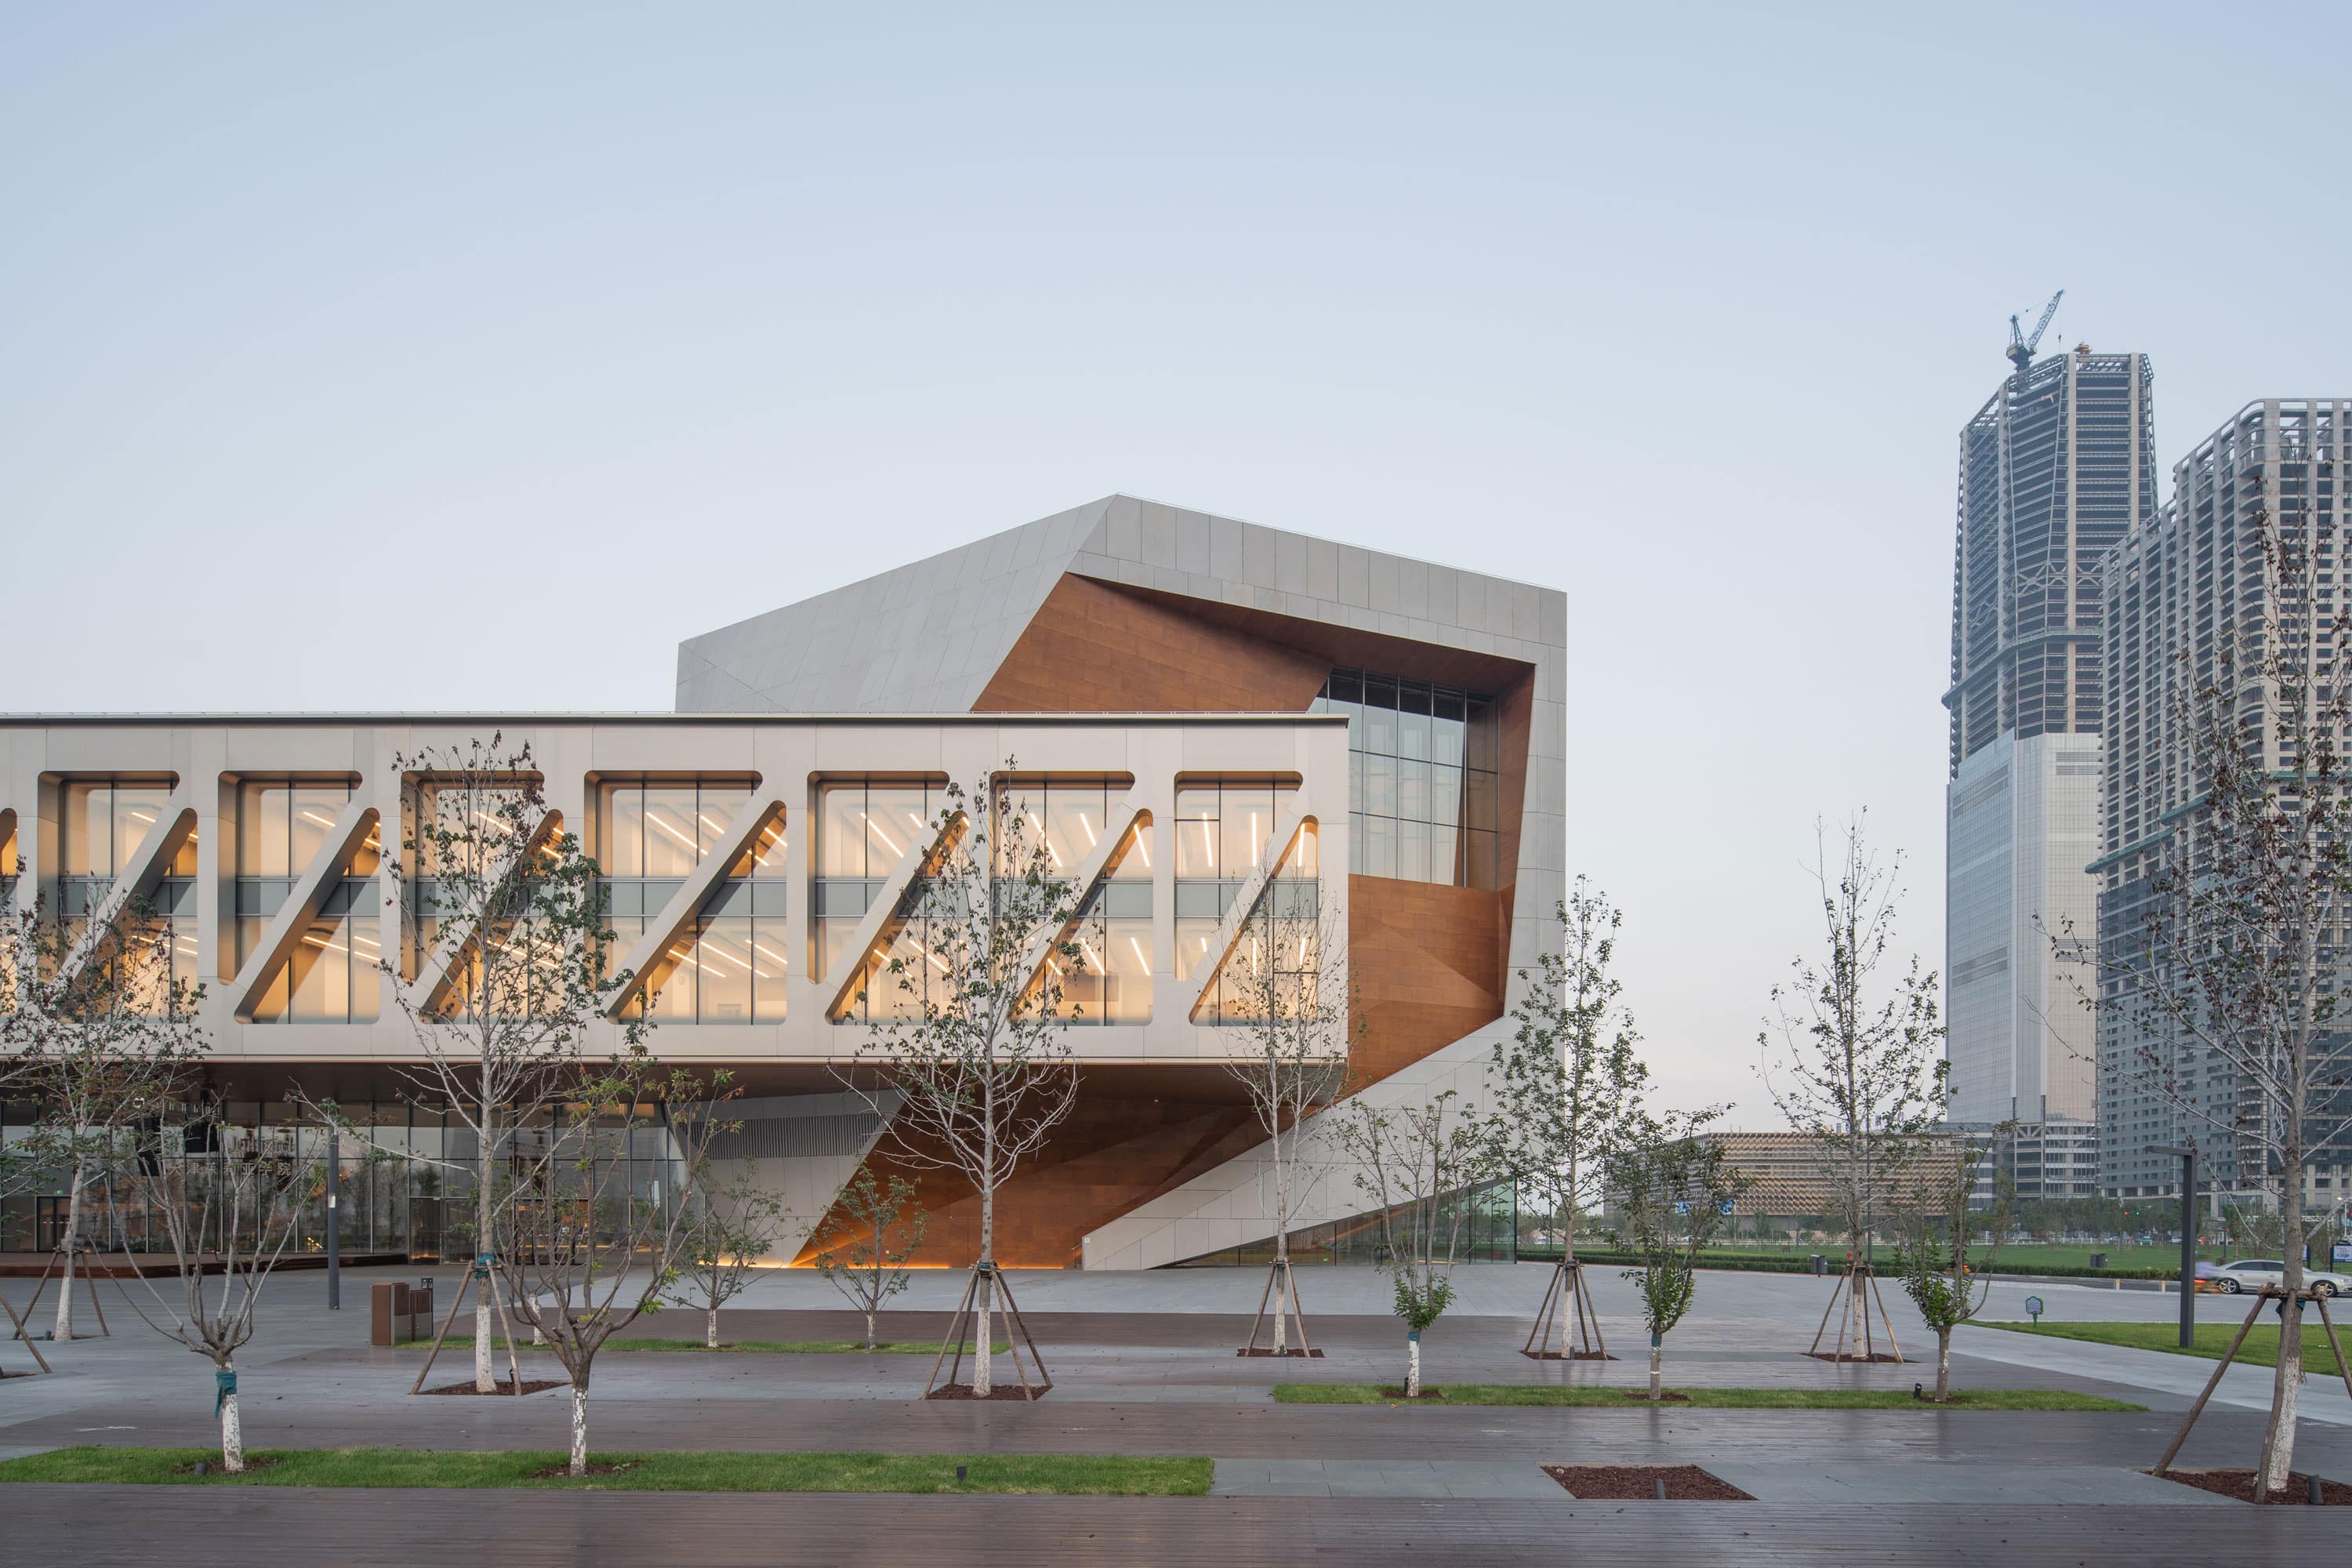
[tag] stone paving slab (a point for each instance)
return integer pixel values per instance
(1992, 1485)
(2243, 1386)
(1383, 1478)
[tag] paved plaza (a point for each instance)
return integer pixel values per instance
(1144, 1363)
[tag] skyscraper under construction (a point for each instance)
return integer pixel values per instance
(2055, 468)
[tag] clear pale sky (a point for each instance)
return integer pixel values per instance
(465, 357)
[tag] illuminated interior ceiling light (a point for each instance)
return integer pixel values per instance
(771, 954)
(1091, 839)
(704, 817)
(887, 841)
(1209, 845)
(1142, 846)
(1258, 842)
(936, 961)
(917, 819)
(1042, 834)
(1087, 948)
(1142, 962)
(490, 821)
(673, 832)
(1302, 951)
(145, 818)
(309, 816)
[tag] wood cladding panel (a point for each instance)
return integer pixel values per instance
(1120, 1148)
(1095, 649)
(1428, 965)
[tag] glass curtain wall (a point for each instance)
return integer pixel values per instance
(1423, 777)
(1109, 980)
(729, 965)
(395, 1201)
(105, 822)
(1224, 833)
(865, 827)
(331, 977)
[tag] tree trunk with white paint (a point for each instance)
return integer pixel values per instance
(579, 1424)
(980, 1386)
(710, 1330)
(64, 1329)
(869, 1331)
(232, 1429)
(1657, 1367)
(486, 1380)
(1943, 1364)
(1412, 1364)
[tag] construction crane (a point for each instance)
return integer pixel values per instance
(2021, 347)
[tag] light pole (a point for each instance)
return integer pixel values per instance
(334, 1224)
(2187, 1153)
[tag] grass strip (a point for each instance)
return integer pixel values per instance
(746, 1347)
(1613, 1396)
(2261, 1349)
(1062, 1475)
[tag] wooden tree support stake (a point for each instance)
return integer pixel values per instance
(457, 1303)
(42, 1284)
(2214, 1382)
(21, 1334)
(1282, 1291)
(1858, 1277)
(1009, 1311)
(1565, 1293)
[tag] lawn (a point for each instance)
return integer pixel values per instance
(2260, 1348)
(746, 1347)
(1613, 1397)
(801, 1347)
(1068, 1475)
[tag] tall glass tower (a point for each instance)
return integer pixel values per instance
(2055, 468)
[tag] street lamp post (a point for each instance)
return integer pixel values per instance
(2187, 1153)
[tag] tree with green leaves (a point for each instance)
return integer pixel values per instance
(1673, 1191)
(1420, 1164)
(856, 1251)
(229, 1209)
(604, 1207)
(101, 1032)
(1932, 1234)
(1561, 1086)
(736, 1221)
(1853, 1057)
(967, 1057)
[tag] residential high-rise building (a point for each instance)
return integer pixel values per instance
(2175, 589)
(2054, 470)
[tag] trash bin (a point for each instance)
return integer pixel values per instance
(420, 1307)
(2098, 1260)
(1820, 1265)
(388, 1313)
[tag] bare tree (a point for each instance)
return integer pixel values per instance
(735, 1225)
(504, 968)
(1933, 1236)
(855, 1250)
(598, 1232)
(1857, 1063)
(1296, 1004)
(102, 1034)
(229, 1210)
(968, 1023)
(2234, 972)
(1673, 1191)
(1560, 1086)
(1420, 1164)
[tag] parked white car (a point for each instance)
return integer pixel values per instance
(2254, 1273)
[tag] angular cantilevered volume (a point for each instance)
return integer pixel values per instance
(327, 869)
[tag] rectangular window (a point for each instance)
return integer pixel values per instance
(1422, 766)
